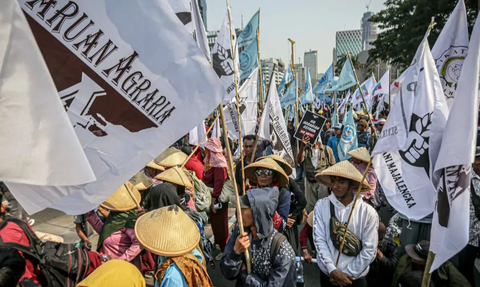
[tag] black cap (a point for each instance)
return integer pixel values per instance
(418, 251)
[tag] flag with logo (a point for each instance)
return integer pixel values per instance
(248, 60)
(290, 96)
(341, 108)
(383, 85)
(367, 88)
(346, 78)
(348, 141)
(307, 97)
(249, 33)
(273, 128)
(287, 78)
(410, 141)
(451, 49)
(197, 133)
(325, 81)
(126, 87)
(450, 226)
(247, 96)
(223, 59)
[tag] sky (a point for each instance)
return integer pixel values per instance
(312, 24)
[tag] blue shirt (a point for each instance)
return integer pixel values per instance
(363, 139)
(173, 276)
(333, 143)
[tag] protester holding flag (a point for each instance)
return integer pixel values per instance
(334, 141)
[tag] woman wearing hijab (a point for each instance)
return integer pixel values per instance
(266, 173)
(116, 273)
(117, 236)
(214, 177)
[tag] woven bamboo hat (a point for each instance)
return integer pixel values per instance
(360, 154)
(153, 165)
(141, 181)
(167, 231)
(122, 199)
(310, 219)
(171, 157)
(268, 163)
(347, 170)
(286, 167)
(175, 175)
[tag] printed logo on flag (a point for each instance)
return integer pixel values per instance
(450, 66)
(349, 134)
(245, 60)
(323, 80)
(417, 154)
(455, 181)
(222, 61)
(247, 31)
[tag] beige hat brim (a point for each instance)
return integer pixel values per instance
(268, 163)
(286, 166)
(124, 199)
(153, 165)
(175, 175)
(360, 154)
(310, 219)
(167, 231)
(141, 181)
(171, 157)
(346, 170)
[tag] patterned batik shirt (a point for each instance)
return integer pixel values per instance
(474, 222)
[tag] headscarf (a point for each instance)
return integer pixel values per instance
(118, 273)
(116, 221)
(215, 156)
(263, 202)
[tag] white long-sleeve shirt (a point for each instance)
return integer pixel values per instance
(364, 224)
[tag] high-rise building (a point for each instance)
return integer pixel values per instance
(267, 67)
(310, 61)
(300, 75)
(202, 4)
(349, 41)
(369, 31)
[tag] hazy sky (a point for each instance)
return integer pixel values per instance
(310, 23)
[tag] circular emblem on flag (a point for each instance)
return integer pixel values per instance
(349, 134)
(247, 31)
(244, 61)
(450, 66)
(323, 80)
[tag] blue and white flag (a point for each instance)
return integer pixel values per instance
(348, 141)
(324, 82)
(347, 77)
(249, 33)
(307, 97)
(332, 87)
(287, 78)
(248, 60)
(290, 96)
(335, 117)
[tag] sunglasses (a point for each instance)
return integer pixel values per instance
(380, 125)
(267, 172)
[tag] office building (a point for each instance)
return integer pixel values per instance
(369, 31)
(348, 41)
(300, 75)
(267, 67)
(310, 61)
(202, 4)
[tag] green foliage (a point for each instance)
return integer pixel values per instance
(341, 61)
(404, 23)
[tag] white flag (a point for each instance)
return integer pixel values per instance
(450, 227)
(216, 131)
(450, 50)
(197, 133)
(420, 113)
(264, 127)
(183, 10)
(39, 145)
(127, 85)
(223, 59)
(383, 85)
(200, 33)
(367, 88)
(341, 108)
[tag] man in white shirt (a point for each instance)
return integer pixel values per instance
(351, 270)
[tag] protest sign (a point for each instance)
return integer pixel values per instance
(310, 126)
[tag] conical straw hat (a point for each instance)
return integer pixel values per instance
(171, 157)
(153, 165)
(141, 181)
(121, 200)
(269, 164)
(286, 167)
(347, 170)
(360, 154)
(175, 175)
(167, 231)
(310, 219)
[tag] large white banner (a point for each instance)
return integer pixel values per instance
(127, 86)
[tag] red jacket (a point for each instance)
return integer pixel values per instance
(193, 164)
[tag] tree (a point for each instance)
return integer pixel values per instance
(404, 23)
(341, 61)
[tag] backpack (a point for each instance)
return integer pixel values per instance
(60, 264)
(277, 241)
(203, 197)
(475, 201)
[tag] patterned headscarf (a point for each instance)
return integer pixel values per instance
(214, 156)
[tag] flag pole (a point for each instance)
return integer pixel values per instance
(428, 265)
(293, 75)
(234, 181)
(389, 102)
(351, 212)
(361, 93)
(240, 139)
(201, 141)
(260, 63)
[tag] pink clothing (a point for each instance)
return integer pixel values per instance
(371, 178)
(191, 204)
(122, 244)
(214, 156)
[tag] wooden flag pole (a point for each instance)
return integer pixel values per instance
(426, 274)
(351, 212)
(361, 93)
(240, 139)
(389, 101)
(294, 78)
(234, 181)
(260, 77)
(201, 141)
